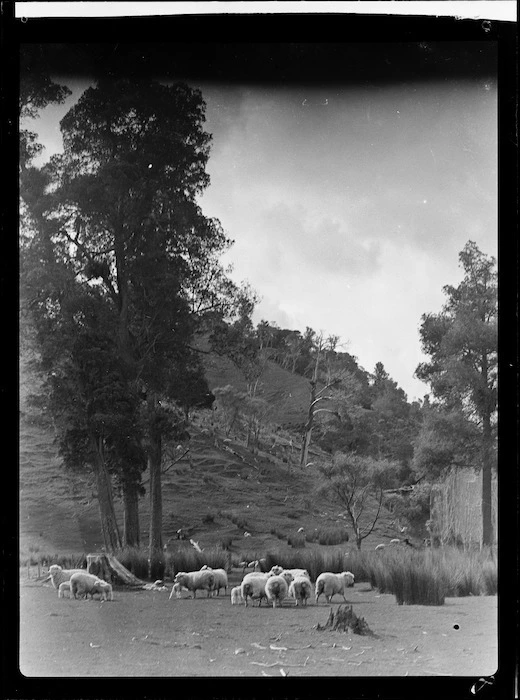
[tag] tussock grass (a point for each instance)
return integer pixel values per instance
(328, 536)
(415, 577)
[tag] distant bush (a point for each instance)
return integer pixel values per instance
(226, 542)
(297, 540)
(328, 536)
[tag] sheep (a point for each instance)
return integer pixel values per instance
(329, 584)
(177, 588)
(300, 589)
(236, 596)
(395, 541)
(290, 574)
(195, 580)
(276, 589)
(276, 570)
(65, 586)
(86, 584)
(221, 578)
(253, 586)
(58, 575)
(380, 546)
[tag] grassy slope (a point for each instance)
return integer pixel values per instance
(58, 512)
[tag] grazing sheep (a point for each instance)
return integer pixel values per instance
(85, 584)
(196, 580)
(276, 589)
(236, 596)
(395, 541)
(221, 578)
(253, 586)
(329, 584)
(380, 546)
(65, 586)
(300, 589)
(58, 575)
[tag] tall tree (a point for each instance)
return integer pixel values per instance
(461, 341)
(122, 209)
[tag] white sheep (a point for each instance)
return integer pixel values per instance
(65, 586)
(276, 570)
(290, 574)
(253, 586)
(395, 541)
(236, 596)
(300, 589)
(331, 584)
(380, 546)
(276, 589)
(221, 578)
(85, 584)
(196, 580)
(178, 589)
(58, 575)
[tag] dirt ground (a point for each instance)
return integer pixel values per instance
(143, 633)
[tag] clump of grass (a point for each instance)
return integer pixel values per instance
(297, 540)
(209, 518)
(226, 542)
(135, 559)
(328, 536)
(489, 578)
(239, 521)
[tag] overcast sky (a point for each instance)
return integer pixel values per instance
(348, 204)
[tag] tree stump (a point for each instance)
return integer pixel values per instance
(345, 619)
(106, 567)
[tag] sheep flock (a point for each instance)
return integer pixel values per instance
(278, 587)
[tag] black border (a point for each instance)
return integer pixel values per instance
(206, 34)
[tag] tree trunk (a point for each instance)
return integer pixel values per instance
(131, 530)
(154, 466)
(109, 527)
(487, 522)
(110, 569)
(306, 437)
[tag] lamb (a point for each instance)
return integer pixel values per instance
(329, 584)
(276, 589)
(236, 596)
(65, 586)
(58, 575)
(177, 589)
(84, 584)
(196, 580)
(221, 578)
(253, 586)
(300, 589)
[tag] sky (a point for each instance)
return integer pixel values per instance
(348, 203)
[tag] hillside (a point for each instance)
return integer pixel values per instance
(220, 490)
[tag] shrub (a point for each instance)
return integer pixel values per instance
(226, 542)
(209, 518)
(297, 540)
